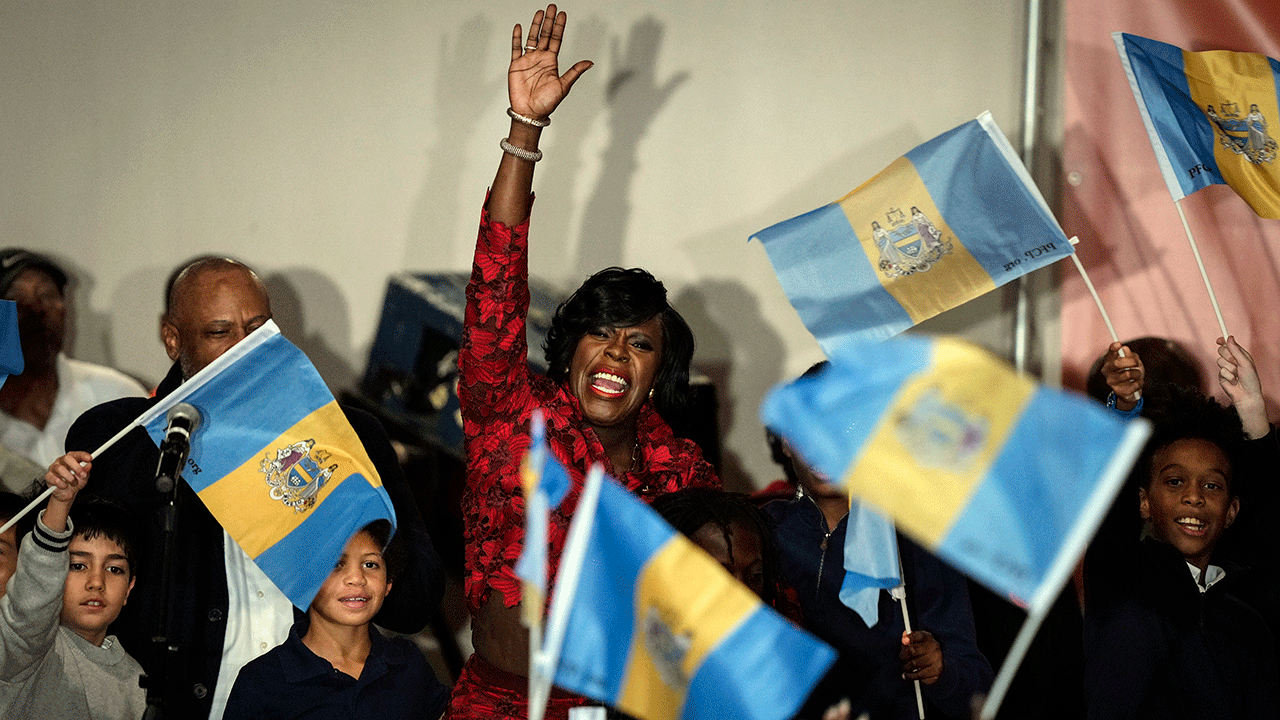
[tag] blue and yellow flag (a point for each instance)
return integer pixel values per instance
(11, 362)
(659, 630)
(951, 220)
(276, 462)
(1003, 479)
(1208, 116)
(545, 483)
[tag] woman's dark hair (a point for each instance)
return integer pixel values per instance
(689, 509)
(618, 297)
(393, 550)
(1187, 414)
(95, 517)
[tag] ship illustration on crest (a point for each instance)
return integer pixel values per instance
(908, 244)
(1245, 135)
(295, 475)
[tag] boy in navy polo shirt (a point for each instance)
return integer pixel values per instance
(335, 664)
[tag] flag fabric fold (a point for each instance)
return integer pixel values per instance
(870, 561)
(659, 630)
(11, 361)
(951, 220)
(1211, 117)
(1001, 478)
(275, 460)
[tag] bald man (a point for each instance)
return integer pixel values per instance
(224, 611)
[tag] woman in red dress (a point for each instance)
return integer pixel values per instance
(619, 362)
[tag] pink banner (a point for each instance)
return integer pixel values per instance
(1131, 240)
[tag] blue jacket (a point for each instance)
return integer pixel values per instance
(868, 670)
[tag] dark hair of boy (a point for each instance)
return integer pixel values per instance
(95, 517)
(393, 550)
(691, 508)
(1188, 415)
(10, 505)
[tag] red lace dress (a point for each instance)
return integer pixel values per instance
(498, 395)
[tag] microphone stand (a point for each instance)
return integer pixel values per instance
(163, 652)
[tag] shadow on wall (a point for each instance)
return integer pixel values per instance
(299, 294)
(634, 97)
(746, 359)
(465, 88)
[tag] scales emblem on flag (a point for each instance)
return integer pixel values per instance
(295, 475)
(909, 244)
(1246, 135)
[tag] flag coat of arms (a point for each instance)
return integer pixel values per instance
(951, 220)
(659, 630)
(1003, 479)
(275, 460)
(1211, 117)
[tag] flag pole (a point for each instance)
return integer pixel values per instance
(49, 490)
(536, 506)
(899, 593)
(1013, 661)
(259, 336)
(1109, 482)
(566, 588)
(1098, 301)
(1200, 263)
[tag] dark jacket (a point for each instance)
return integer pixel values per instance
(1156, 647)
(198, 601)
(868, 670)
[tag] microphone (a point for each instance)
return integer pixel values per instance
(184, 419)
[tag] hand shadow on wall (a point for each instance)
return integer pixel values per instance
(725, 314)
(634, 97)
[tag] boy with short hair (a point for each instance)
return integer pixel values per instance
(1165, 637)
(73, 575)
(335, 664)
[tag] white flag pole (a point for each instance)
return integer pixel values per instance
(1098, 301)
(1073, 546)
(254, 339)
(899, 593)
(1200, 263)
(536, 508)
(49, 490)
(562, 596)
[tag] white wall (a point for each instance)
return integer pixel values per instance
(331, 144)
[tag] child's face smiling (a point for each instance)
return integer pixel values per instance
(354, 591)
(97, 587)
(1188, 500)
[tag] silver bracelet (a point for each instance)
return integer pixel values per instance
(527, 120)
(530, 155)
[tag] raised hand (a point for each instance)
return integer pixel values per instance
(67, 476)
(1124, 374)
(534, 83)
(1239, 380)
